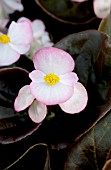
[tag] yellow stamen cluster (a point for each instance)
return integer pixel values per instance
(4, 39)
(51, 79)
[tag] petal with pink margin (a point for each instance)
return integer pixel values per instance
(37, 111)
(20, 35)
(51, 95)
(53, 60)
(77, 102)
(7, 55)
(24, 99)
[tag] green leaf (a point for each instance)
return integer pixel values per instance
(93, 149)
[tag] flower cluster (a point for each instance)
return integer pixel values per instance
(40, 36)
(13, 44)
(101, 7)
(53, 82)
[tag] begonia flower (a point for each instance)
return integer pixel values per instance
(9, 6)
(40, 36)
(53, 81)
(16, 42)
(101, 7)
(37, 111)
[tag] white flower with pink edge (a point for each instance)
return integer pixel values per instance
(16, 42)
(53, 82)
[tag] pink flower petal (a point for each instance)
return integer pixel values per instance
(77, 102)
(38, 28)
(23, 19)
(37, 111)
(53, 60)
(37, 76)
(21, 35)
(24, 99)
(51, 95)
(7, 55)
(102, 8)
(69, 78)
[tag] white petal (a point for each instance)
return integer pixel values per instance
(102, 8)
(7, 55)
(51, 95)
(77, 102)
(21, 35)
(37, 111)
(37, 76)
(53, 60)
(45, 38)
(12, 5)
(69, 78)
(24, 99)
(21, 49)
(38, 28)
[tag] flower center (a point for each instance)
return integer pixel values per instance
(4, 39)
(51, 79)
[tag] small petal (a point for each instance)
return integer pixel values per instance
(38, 28)
(77, 102)
(102, 8)
(23, 19)
(51, 95)
(20, 34)
(12, 5)
(69, 78)
(37, 76)
(7, 55)
(24, 99)
(45, 38)
(37, 111)
(53, 60)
